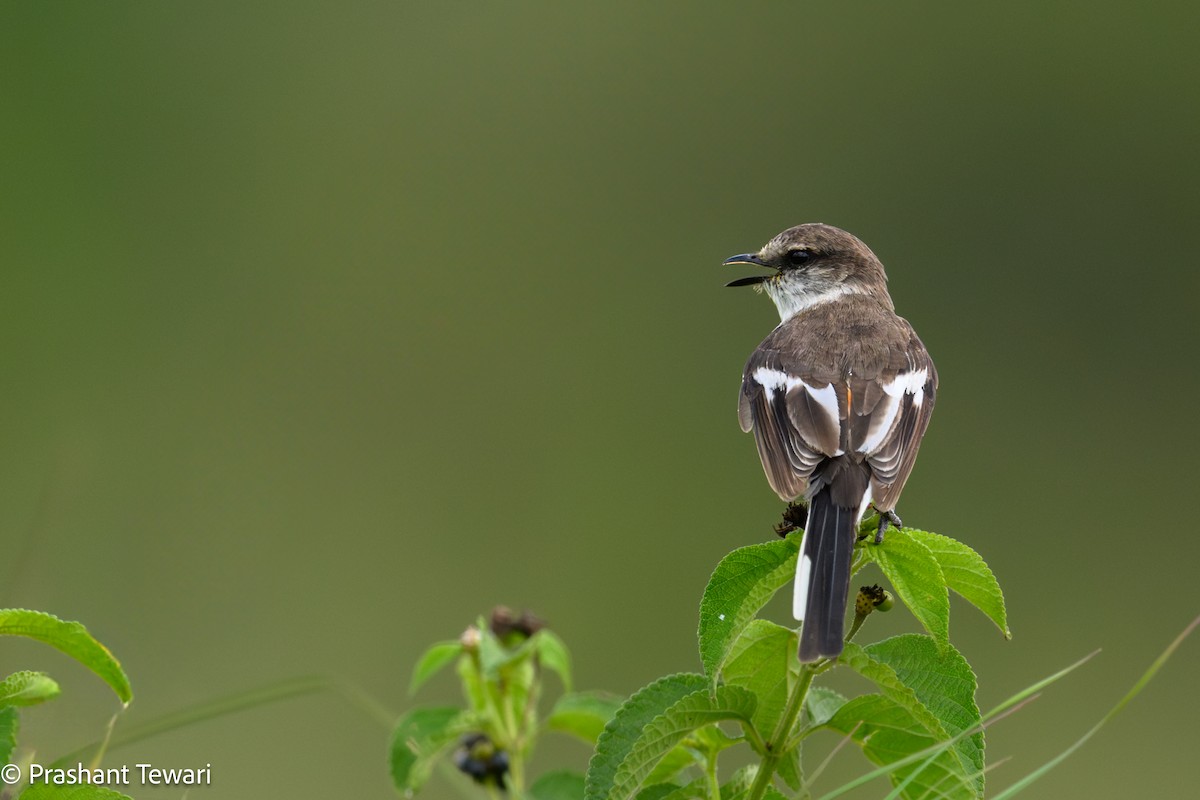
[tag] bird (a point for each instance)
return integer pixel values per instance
(838, 396)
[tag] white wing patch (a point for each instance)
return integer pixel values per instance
(885, 416)
(907, 383)
(828, 399)
(772, 381)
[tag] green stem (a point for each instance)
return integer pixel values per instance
(776, 745)
(515, 782)
(859, 619)
(710, 771)
(491, 710)
(858, 560)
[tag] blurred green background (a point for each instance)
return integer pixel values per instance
(328, 326)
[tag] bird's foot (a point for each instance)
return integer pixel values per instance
(886, 517)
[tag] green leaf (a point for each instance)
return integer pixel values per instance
(420, 737)
(944, 683)
(649, 726)
(674, 762)
(968, 574)
(659, 738)
(741, 585)
(740, 782)
(696, 790)
(790, 769)
(887, 733)
(71, 638)
(894, 689)
(822, 704)
(27, 689)
(621, 733)
(553, 655)
(583, 714)
(493, 655)
(1009, 704)
(739, 785)
(8, 733)
(763, 660)
(473, 686)
(560, 784)
(432, 660)
(710, 739)
(918, 580)
(49, 791)
(515, 688)
(496, 677)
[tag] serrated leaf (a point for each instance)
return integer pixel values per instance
(894, 689)
(621, 733)
(650, 724)
(553, 655)
(967, 574)
(741, 585)
(668, 729)
(432, 661)
(763, 660)
(944, 683)
(50, 791)
(887, 733)
(821, 704)
(917, 577)
(560, 784)
(419, 738)
(583, 714)
(70, 638)
(8, 733)
(27, 688)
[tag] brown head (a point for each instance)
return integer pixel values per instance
(814, 263)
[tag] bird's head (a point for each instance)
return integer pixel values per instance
(814, 263)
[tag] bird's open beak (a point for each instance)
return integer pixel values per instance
(748, 258)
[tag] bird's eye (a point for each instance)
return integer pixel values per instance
(798, 257)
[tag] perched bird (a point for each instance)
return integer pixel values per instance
(838, 396)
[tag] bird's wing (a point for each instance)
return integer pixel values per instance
(887, 424)
(871, 403)
(795, 422)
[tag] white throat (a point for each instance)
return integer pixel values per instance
(790, 300)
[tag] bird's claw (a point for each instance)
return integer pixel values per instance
(886, 517)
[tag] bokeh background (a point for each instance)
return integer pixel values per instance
(327, 326)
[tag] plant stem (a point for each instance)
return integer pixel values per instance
(710, 771)
(776, 745)
(516, 776)
(859, 619)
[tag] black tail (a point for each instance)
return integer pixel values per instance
(828, 543)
